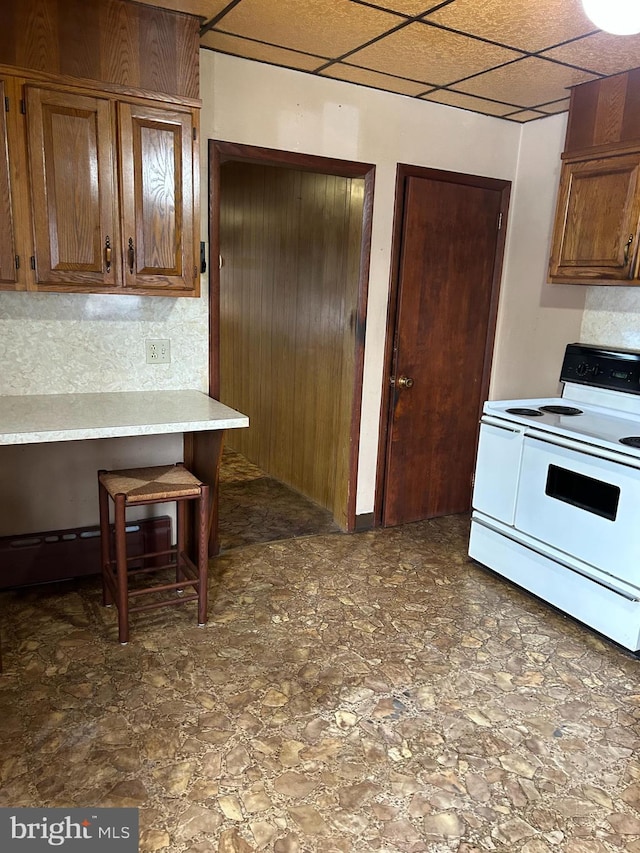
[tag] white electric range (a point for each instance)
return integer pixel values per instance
(556, 500)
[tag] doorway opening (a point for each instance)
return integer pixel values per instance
(291, 234)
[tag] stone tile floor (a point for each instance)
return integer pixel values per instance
(365, 692)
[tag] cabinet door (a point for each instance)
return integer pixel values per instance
(596, 229)
(15, 238)
(8, 254)
(157, 199)
(71, 157)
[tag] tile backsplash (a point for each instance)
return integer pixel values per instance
(53, 343)
(612, 317)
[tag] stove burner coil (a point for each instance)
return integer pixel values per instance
(631, 440)
(532, 413)
(561, 410)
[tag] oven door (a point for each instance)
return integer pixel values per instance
(581, 504)
(497, 469)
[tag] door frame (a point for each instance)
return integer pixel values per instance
(221, 152)
(404, 171)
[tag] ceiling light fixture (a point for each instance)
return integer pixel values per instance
(620, 17)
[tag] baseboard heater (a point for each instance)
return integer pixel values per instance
(62, 554)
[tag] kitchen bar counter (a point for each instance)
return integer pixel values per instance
(37, 419)
(75, 417)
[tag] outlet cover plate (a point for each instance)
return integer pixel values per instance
(158, 351)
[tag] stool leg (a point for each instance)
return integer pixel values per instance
(121, 569)
(105, 542)
(181, 521)
(203, 553)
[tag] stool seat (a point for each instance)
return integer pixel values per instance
(189, 558)
(161, 483)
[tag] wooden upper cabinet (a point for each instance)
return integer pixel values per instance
(72, 163)
(157, 197)
(113, 194)
(597, 224)
(99, 180)
(598, 214)
(604, 114)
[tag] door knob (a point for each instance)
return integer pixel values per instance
(405, 382)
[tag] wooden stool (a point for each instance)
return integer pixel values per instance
(134, 487)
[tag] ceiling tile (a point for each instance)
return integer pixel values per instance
(525, 83)
(468, 102)
(262, 52)
(524, 115)
(555, 107)
(462, 53)
(343, 71)
(326, 27)
(412, 8)
(601, 52)
(202, 8)
(522, 24)
(431, 55)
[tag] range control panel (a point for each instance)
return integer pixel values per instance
(602, 367)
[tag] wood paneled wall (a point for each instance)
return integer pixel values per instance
(290, 242)
(111, 41)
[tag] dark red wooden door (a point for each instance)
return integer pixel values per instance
(448, 269)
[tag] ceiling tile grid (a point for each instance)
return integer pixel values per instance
(516, 60)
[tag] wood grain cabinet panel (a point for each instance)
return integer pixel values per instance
(156, 151)
(113, 194)
(8, 271)
(15, 238)
(597, 221)
(75, 212)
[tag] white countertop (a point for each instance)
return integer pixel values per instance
(32, 419)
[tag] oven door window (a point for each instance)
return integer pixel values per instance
(587, 493)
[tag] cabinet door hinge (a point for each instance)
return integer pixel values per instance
(195, 134)
(17, 262)
(6, 104)
(195, 272)
(23, 106)
(33, 262)
(499, 221)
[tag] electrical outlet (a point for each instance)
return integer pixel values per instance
(158, 352)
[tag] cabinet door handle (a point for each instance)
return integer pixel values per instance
(627, 247)
(132, 255)
(107, 253)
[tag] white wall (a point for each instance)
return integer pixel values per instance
(535, 319)
(55, 343)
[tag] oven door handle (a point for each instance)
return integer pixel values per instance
(596, 450)
(494, 422)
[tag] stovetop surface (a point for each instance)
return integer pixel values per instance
(598, 426)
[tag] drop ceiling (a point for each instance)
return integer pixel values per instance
(515, 59)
